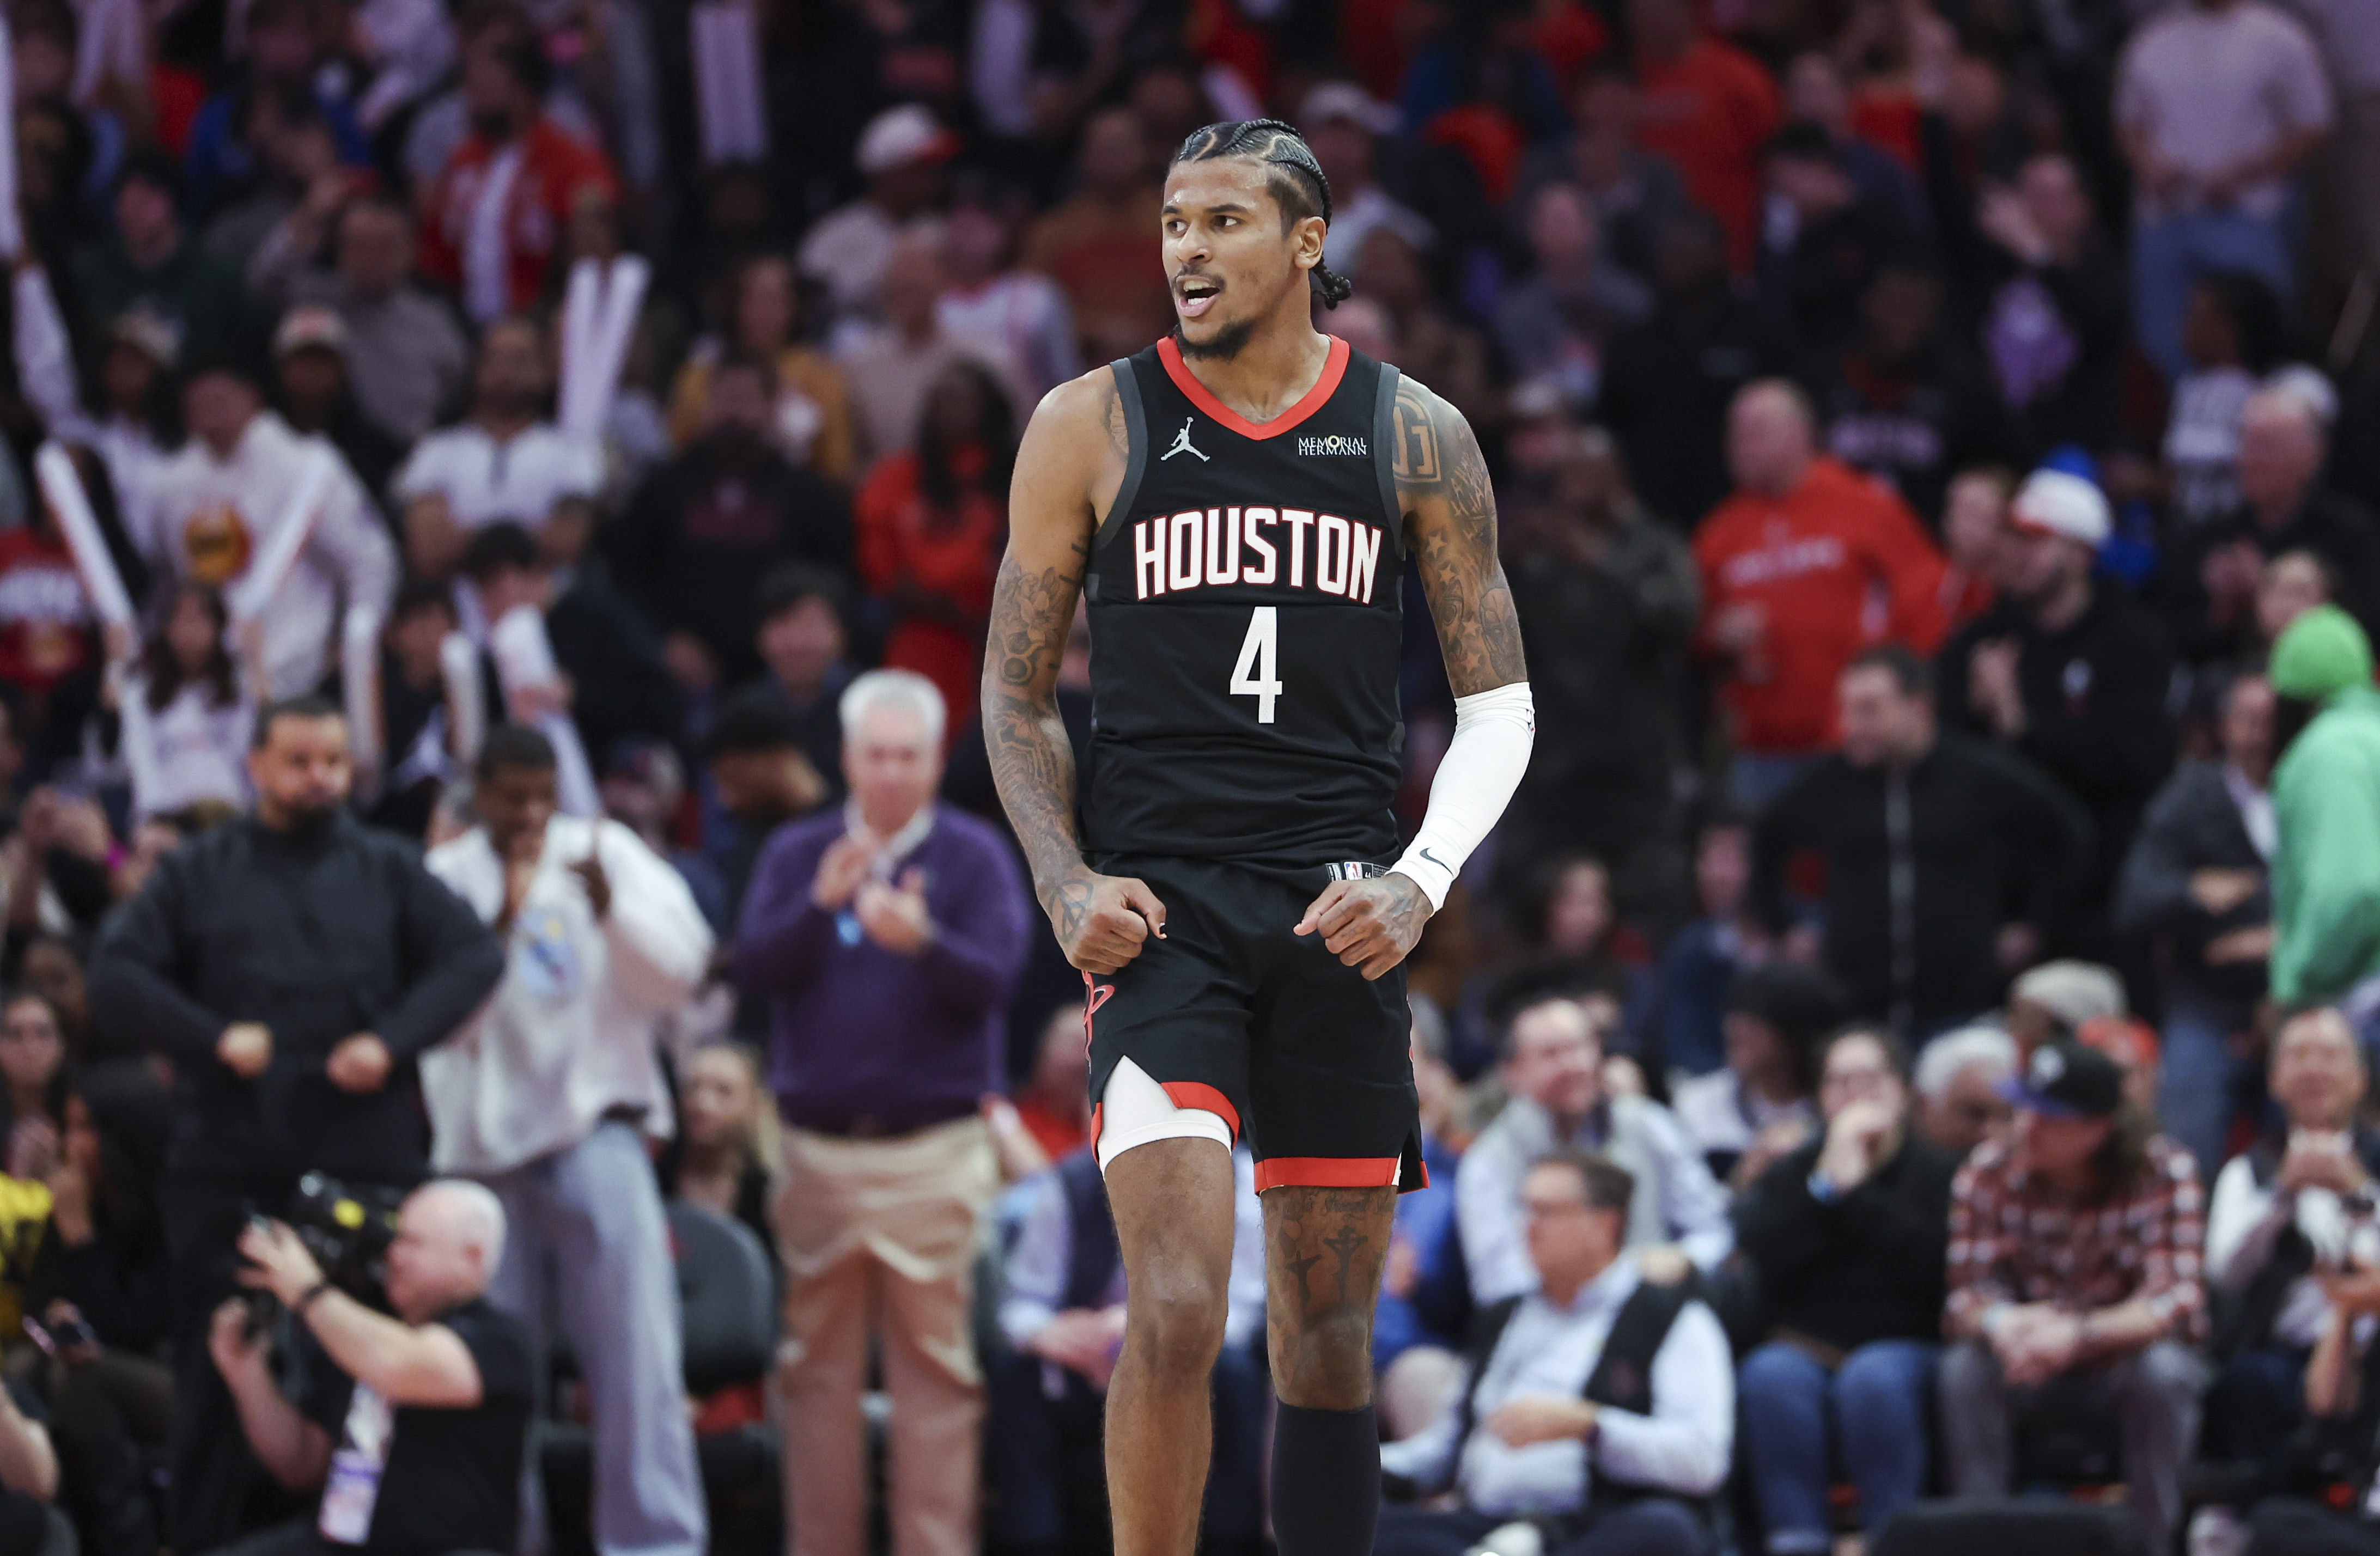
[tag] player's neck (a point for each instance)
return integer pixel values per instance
(1269, 374)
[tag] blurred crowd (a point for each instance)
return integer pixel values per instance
(1907, 1039)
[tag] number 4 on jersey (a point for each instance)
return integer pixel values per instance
(1254, 675)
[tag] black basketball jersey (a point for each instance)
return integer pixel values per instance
(1246, 623)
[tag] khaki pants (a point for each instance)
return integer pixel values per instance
(879, 1238)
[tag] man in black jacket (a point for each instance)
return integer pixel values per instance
(1849, 1237)
(2075, 678)
(293, 966)
(1948, 864)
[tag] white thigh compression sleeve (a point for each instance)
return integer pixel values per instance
(1493, 733)
(1135, 1110)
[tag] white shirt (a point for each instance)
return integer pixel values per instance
(2210, 87)
(1020, 322)
(570, 1032)
(197, 750)
(210, 519)
(484, 481)
(2244, 1218)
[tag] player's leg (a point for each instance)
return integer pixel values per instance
(1324, 1250)
(1173, 1203)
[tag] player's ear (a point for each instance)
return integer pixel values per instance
(1306, 235)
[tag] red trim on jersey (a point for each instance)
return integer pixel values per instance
(1198, 1094)
(1095, 1126)
(1326, 1171)
(1187, 382)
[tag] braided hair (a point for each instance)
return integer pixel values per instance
(1294, 178)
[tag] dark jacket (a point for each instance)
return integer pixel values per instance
(2340, 530)
(1666, 385)
(1911, 424)
(1988, 842)
(1868, 1265)
(319, 937)
(620, 688)
(119, 1278)
(2193, 825)
(2097, 709)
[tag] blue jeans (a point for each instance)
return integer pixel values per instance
(2169, 255)
(2199, 1073)
(1882, 1400)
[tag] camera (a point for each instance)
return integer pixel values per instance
(347, 1227)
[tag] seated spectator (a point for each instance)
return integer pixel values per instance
(1847, 1235)
(2052, 290)
(406, 356)
(1903, 400)
(1552, 325)
(1095, 243)
(2211, 570)
(490, 235)
(1708, 108)
(1975, 541)
(1817, 93)
(185, 737)
(2231, 336)
(1015, 320)
(1598, 1401)
(1791, 567)
(1424, 1290)
(1989, 859)
(1054, 1103)
(1824, 239)
(222, 160)
(2197, 881)
(901, 153)
(2281, 1211)
(2342, 1395)
(810, 422)
(150, 261)
(1061, 1319)
(429, 1458)
(311, 391)
(805, 643)
(1687, 1036)
(643, 789)
(2132, 1043)
(2074, 1287)
(419, 732)
(761, 779)
(931, 523)
(725, 1157)
(32, 1088)
(727, 511)
(1553, 1069)
(612, 684)
(1631, 189)
(2058, 999)
(1763, 1105)
(503, 461)
(895, 368)
(1570, 929)
(2071, 673)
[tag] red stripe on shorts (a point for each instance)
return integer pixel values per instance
(1326, 1171)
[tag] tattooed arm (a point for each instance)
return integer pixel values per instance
(1450, 512)
(1067, 471)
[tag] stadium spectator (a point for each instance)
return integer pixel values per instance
(495, 219)
(2075, 676)
(1592, 1351)
(1430, 342)
(1975, 541)
(762, 778)
(724, 1156)
(2074, 1287)
(219, 503)
(1553, 325)
(805, 645)
(1848, 1234)
(1789, 565)
(406, 356)
(1703, 959)
(1344, 124)
(905, 920)
(2198, 879)
(726, 510)
(1764, 1103)
(504, 461)
(311, 391)
(429, 1456)
(1061, 1319)
(1015, 320)
(2054, 325)
(1553, 1069)
(2217, 104)
(2282, 1211)
(1989, 856)
(901, 154)
(149, 262)
(2212, 570)
(2326, 717)
(371, 961)
(1824, 240)
(2059, 999)
(185, 740)
(1708, 108)
(2231, 335)
(810, 423)
(549, 1097)
(1095, 244)
(894, 369)
(1631, 189)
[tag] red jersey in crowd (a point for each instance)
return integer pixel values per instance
(499, 212)
(1710, 110)
(1836, 565)
(936, 564)
(44, 615)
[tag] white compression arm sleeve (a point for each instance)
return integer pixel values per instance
(1493, 733)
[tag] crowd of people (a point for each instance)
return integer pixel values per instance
(524, 1026)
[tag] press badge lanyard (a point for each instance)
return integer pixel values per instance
(897, 848)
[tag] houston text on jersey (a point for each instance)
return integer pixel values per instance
(1209, 547)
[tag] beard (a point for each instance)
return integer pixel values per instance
(307, 819)
(1229, 342)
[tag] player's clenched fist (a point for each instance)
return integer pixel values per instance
(1102, 920)
(1370, 924)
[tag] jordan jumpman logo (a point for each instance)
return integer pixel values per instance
(1182, 442)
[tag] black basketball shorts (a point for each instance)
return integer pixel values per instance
(1233, 1013)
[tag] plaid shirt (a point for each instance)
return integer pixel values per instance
(2012, 1240)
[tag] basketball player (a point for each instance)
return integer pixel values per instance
(1238, 504)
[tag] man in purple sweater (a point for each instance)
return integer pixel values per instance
(887, 937)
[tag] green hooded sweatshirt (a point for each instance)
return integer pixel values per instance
(2326, 871)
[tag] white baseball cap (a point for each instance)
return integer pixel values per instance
(1345, 99)
(906, 134)
(2054, 503)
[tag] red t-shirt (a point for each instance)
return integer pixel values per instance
(1710, 110)
(45, 614)
(556, 171)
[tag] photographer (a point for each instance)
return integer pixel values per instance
(428, 1457)
(293, 965)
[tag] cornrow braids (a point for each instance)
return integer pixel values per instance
(1295, 178)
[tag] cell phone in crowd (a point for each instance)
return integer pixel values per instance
(73, 1334)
